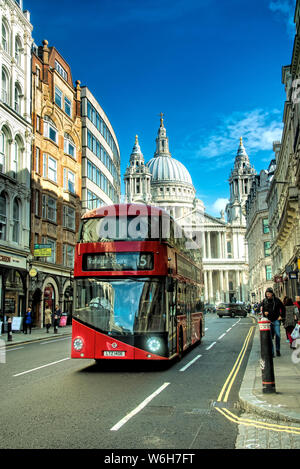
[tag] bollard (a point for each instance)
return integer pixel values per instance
(9, 333)
(267, 367)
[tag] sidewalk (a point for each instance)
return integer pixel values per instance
(285, 403)
(37, 334)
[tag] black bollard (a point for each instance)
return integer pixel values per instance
(9, 333)
(266, 364)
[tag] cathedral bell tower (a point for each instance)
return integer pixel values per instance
(240, 182)
(137, 177)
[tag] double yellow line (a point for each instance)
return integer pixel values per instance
(223, 396)
(255, 423)
(232, 375)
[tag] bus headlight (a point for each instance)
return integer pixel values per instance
(78, 344)
(153, 344)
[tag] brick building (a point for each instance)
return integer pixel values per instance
(56, 180)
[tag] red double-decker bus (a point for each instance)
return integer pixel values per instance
(138, 284)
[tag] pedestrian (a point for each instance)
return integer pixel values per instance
(27, 321)
(56, 317)
(274, 310)
(48, 314)
(291, 318)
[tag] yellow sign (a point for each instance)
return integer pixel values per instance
(298, 264)
(42, 250)
(33, 272)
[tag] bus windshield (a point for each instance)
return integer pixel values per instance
(122, 307)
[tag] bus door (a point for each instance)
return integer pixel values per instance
(171, 312)
(188, 306)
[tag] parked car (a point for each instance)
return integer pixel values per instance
(231, 309)
(209, 308)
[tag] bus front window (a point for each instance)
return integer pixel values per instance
(124, 306)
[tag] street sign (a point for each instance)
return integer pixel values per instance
(42, 250)
(298, 264)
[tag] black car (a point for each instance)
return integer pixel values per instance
(231, 309)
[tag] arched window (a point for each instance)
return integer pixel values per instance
(50, 130)
(69, 145)
(5, 86)
(5, 36)
(18, 98)
(16, 221)
(4, 149)
(16, 158)
(18, 50)
(3, 216)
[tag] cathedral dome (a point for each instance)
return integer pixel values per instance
(166, 169)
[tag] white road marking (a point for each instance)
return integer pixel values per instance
(190, 363)
(221, 336)
(210, 346)
(43, 366)
(138, 408)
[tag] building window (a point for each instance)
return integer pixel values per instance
(69, 217)
(49, 167)
(15, 166)
(18, 99)
(266, 228)
(68, 106)
(5, 36)
(61, 70)
(4, 149)
(267, 248)
(37, 203)
(69, 180)
(68, 256)
(50, 130)
(16, 221)
(49, 210)
(268, 272)
(58, 97)
(18, 50)
(37, 160)
(69, 145)
(5, 86)
(3, 216)
(52, 243)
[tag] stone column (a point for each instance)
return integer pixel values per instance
(221, 281)
(208, 246)
(226, 286)
(210, 286)
(237, 285)
(205, 287)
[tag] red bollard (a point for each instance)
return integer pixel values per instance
(266, 363)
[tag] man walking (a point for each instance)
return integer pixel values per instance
(274, 310)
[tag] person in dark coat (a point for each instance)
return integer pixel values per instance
(28, 321)
(56, 318)
(274, 310)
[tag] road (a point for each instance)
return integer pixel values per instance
(52, 401)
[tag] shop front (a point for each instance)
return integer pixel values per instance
(13, 286)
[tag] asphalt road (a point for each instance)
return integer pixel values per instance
(51, 401)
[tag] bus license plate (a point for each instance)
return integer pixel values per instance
(115, 353)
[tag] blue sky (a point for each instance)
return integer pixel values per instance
(213, 67)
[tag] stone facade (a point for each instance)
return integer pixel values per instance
(56, 179)
(15, 156)
(258, 237)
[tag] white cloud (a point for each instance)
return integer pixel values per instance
(286, 9)
(258, 128)
(219, 205)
